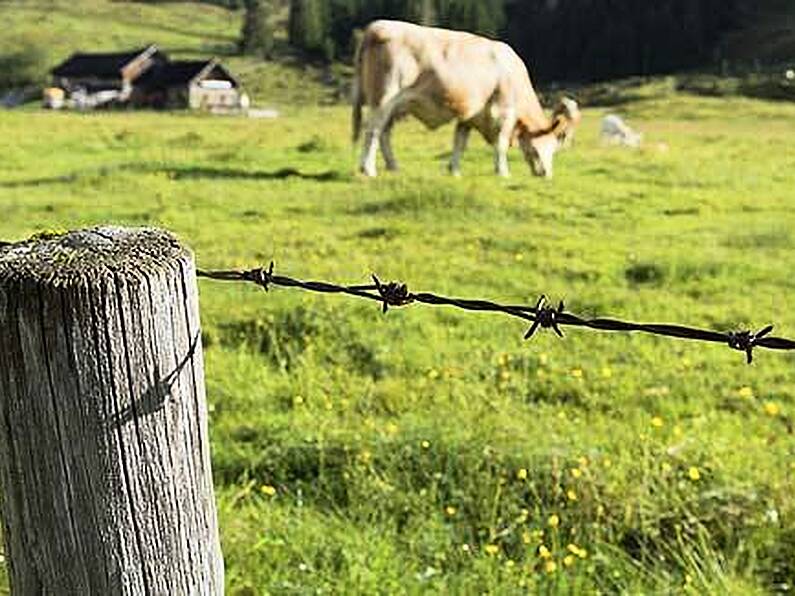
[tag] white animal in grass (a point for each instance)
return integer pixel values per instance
(617, 132)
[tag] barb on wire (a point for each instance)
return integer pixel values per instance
(543, 315)
(546, 317)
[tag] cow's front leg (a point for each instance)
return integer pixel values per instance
(459, 145)
(386, 147)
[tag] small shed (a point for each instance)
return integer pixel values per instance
(195, 84)
(94, 73)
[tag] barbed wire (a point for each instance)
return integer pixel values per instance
(541, 316)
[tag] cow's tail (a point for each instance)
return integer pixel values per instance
(357, 92)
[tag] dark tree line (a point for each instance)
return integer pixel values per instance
(597, 39)
(325, 27)
(256, 36)
(572, 40)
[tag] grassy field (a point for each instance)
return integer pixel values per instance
(433, 451)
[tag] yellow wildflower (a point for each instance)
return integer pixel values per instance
(576, 373)
(576, 550)
(553, 521)
(392, 428)
(745, 392)
(526, 538)
(576, 472)
(518, 257)
(268, 490)
(772, 408)
(450, 510)
(543, 552)
(491, 549)
(521, 474)
(568, 560)
(693, 473)
(425, 444)
(657, 422)
(606, 372)
(510, 563)
(550, 566)
(571, 495)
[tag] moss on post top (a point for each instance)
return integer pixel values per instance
(82, 255)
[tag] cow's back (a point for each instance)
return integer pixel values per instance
(394, 54)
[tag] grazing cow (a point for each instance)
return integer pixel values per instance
(439, 75)
(616, 132)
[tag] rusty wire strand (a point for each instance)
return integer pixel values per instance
(542, 315)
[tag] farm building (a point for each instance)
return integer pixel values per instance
(195, 84)
(144, 78)
(97, 78)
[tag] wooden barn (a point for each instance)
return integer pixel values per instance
(144, 78)
(108, 75)
(195, 84)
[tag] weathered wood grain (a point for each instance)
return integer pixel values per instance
(104, 451)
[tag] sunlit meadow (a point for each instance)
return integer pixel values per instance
(430, 450)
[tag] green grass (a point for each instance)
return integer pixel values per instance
(425, 451)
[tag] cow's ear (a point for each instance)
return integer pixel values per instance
(559, 124)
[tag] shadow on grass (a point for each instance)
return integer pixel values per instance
(235, 173)
(180, 173)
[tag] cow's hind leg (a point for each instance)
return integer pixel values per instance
(369, 153)
(459, 145)
(379, 130)
(386, 147)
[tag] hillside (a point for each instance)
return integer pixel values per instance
(56, 28)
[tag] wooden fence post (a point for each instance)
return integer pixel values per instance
(104, 454)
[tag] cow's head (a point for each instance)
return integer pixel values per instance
(539, 146)
(568, 108)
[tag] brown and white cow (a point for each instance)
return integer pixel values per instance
(438, 75)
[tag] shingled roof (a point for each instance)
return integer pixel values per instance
(182, 72)
(102, 65)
